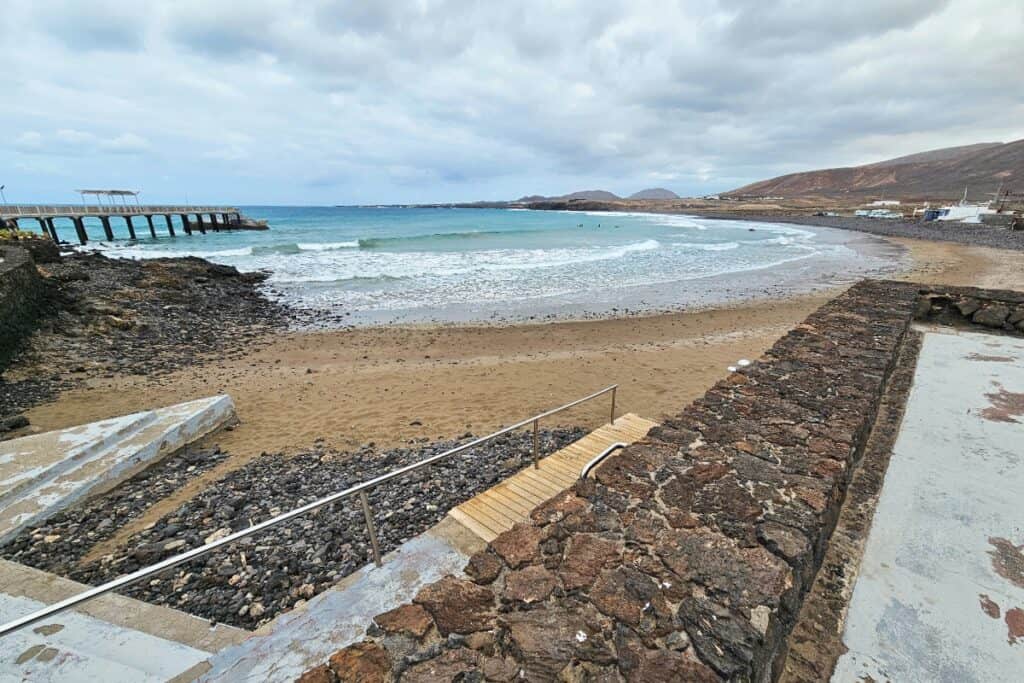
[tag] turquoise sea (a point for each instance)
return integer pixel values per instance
(365, 264)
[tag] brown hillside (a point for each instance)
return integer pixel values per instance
(936, 174)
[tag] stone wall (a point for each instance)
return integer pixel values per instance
(22, 297)
(686, 557)
(997, 310)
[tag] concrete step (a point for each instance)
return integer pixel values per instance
(45, 473)
(111, 638)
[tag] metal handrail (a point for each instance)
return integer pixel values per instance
(597, 459)
(360, 489)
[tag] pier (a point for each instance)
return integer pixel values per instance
(156, 217)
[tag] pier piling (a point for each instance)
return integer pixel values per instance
(80, 229)
(152, 228)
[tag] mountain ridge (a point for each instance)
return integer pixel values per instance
(934, 174)
(647, 193)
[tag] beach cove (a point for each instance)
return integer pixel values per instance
(390, 384)
(319, 406)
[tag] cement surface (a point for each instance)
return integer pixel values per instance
(45, 473)
(77, 647)
(937, 598)
(307, 636)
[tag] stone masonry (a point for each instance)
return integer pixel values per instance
(687, 556)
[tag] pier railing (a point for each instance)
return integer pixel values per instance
(47, 210)
(357, 490)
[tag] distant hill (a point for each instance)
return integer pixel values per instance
(591, 194)
(936, 174)
(582, 194)
(654, 193)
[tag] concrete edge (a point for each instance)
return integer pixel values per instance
(161, 622)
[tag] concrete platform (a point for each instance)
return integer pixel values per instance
(940, 594)
(305, 637)
(45, 473)
(111, 638)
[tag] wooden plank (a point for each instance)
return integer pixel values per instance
(470, 523)
(556, 473)
(494, 504)
(521, 488)
(485, 516)
(515, 502)
(540, 483)
(558, 466)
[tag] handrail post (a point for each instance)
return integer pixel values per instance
(536, 447)
(369, 527)
(613, 403)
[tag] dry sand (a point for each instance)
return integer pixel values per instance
(352, 387)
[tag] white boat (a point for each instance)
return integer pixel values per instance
(964, 212)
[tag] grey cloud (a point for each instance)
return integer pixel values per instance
(104, 25)
(425, 100)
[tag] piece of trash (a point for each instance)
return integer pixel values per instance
(743, 362)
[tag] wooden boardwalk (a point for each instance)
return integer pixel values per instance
(499, 508)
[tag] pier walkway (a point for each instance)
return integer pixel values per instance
(201, 218)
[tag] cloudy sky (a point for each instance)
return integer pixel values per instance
(366, 101)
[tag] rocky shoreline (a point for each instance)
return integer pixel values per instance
(960, 233)
(255, 579)
(108, 317)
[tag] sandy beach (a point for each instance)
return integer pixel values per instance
(392, 384)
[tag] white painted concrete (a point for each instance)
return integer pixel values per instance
(19, 581)
(955, 481)
(45, 473)
(307, 636)
(77, 647)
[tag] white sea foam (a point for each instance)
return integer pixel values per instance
(328, 246)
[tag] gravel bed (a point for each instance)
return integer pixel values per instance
(255, 579)
(962, 233)
(62, 541)
(109, 317)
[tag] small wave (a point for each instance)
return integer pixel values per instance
(704, 246)
(299, 247)
(138, 252)
(382, 242)
(339, 279)
(646, 245)
(328, 246)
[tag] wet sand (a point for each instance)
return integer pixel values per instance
(388, 385)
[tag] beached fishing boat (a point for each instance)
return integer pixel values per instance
(964, 211)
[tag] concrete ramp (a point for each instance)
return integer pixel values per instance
(45, 473)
